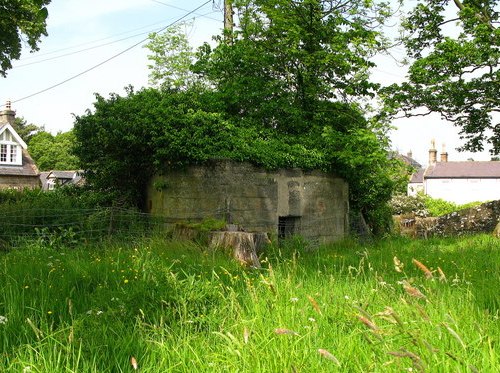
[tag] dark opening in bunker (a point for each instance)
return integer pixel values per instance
(288, 226)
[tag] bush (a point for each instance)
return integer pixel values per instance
(402, 204)
(422, 206)
(438, 206)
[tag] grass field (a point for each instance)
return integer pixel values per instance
(393, 306)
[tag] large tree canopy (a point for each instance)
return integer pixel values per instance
(278, 92)
(53, 152)
(455, 47)
(287, 57)
(21, 21)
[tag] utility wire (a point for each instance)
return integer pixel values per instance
(38, 55)
(184, 10)
(91, 48)
(107, 60)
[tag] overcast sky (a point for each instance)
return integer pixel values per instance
(84, 34)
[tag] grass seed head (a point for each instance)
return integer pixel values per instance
(442, 276)
(427, 272)
(398, 266)
(282, 331)
(371, 325)
(413, 291)
(133, 362)
(314, 304)
(328, 355)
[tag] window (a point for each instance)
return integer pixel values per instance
(13, 154)
(10, 154)
(3, 153)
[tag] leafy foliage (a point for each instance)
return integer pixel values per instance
(25, 130)
(422, 205)
(171, 59)
(127, 139)
(53, 152)
(21, 21)
(454, 74)
(290, 57)
(277, 93)
(402, 204)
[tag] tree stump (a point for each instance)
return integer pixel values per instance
(496, 231)
(244, 245)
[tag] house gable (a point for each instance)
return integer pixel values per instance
(11, 146)
(17, 168)
(10, 132)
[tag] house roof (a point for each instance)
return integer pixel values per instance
(463, 170)
(62, 174)
(74, 177)
(27, 169)
(410, 161)
(418, 177)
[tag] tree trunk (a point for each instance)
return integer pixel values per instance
(244, 245)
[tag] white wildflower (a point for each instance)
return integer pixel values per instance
(294, 299)
(3, 320)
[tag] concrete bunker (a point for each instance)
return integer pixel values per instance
(285, 202)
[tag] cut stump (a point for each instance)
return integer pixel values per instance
(496, 231)
(244, 245)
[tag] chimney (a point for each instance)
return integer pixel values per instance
(409, 154)
(433, 153)
(444, 155)
(8, 115)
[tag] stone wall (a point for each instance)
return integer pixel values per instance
(310, 203)
(480, 219)
(19, 182)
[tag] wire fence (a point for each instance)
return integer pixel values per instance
(72, 225)
(76, 224)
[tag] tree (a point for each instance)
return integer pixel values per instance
(20, 21)
(25, 130)
(126, 139)
(297, 68)
(53, 152)
(289, 56)
(455, 70)
(171, 57)
(280, 92)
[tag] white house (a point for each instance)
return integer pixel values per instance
(17, 169)
(52, 179)
(458, 182)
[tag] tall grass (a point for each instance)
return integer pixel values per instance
(395, 305)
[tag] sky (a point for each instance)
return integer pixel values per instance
(77, 59)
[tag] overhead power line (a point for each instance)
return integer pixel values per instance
(108, 59)
(93, 47)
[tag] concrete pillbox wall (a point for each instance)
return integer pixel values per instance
(312, 204)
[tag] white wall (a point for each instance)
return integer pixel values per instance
(463, 190)
(414, 188)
